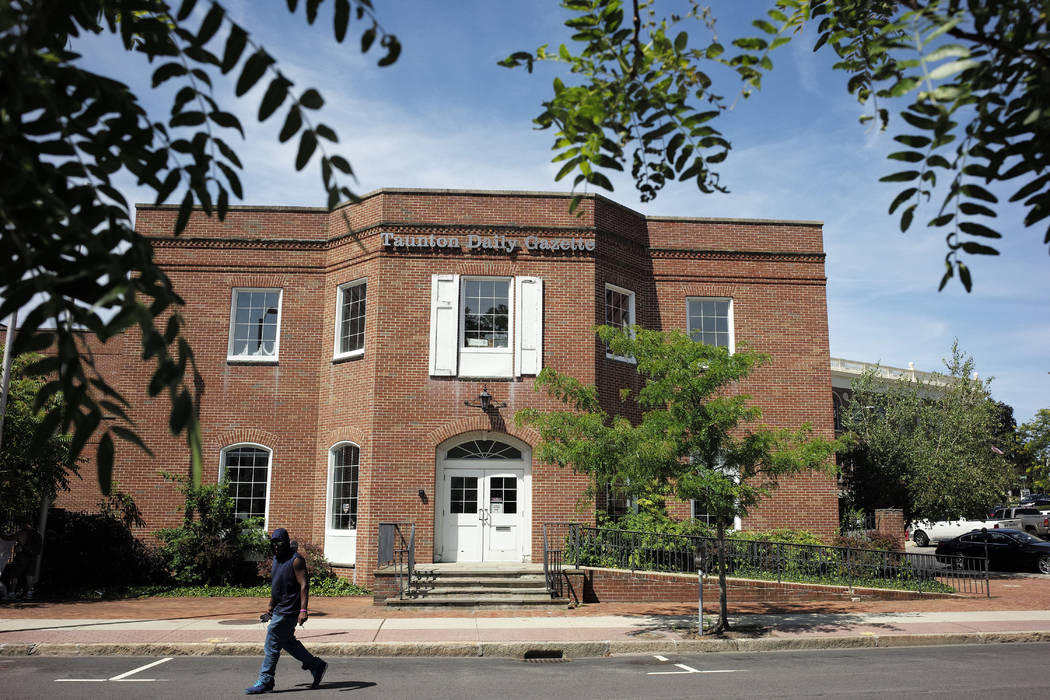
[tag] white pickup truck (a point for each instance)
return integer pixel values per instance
(925, 533)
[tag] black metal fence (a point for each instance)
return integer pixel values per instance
(779, 561)
(399, 551)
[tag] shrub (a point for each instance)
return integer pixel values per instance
(212, 546)
(98, 550)
(319, 567)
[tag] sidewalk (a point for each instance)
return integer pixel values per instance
(1018, 611)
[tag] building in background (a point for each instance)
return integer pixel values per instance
(339, 352)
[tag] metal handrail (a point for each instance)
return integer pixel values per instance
(637, 550)
(394, 550)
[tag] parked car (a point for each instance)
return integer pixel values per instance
(1041, 502)
(924, 532)
(1007, 548)
(1032, 520)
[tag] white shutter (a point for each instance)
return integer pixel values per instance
(528, 325)
(444, 325)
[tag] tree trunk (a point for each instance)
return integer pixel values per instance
(723, 606)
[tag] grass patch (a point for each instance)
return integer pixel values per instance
(329, 588)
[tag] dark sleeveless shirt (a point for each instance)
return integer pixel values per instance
(284, 588)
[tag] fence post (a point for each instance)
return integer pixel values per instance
(849, 569)
(780, 560)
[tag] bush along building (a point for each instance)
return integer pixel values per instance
(345, 357)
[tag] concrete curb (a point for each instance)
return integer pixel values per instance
(520, 649)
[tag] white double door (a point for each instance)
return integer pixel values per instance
(482, 514)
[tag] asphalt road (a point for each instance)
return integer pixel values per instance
(986, 672)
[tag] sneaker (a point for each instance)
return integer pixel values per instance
(258, 689)
(319, 674)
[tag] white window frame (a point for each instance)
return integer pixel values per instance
(269, 472)
(633, 320)
(729, 316)
(486, 362)
(230, 356)
(331, 488)
(343, 289)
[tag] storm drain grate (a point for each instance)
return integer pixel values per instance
(545, 656)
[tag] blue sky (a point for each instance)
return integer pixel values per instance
(446, 116)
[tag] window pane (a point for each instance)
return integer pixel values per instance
(246, 470)
(255, 323)
(342, 507)
(483, 449)
(352, 318)
(708, 321)
(486, 313)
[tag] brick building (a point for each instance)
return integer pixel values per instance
(338, 351)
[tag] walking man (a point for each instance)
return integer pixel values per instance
(289, 601)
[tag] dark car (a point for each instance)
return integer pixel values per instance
(1006, 549)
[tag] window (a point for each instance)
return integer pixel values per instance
(710, 321)
(706, 510)
(247, 471)
(486, 313)
(255, 322)
(619, 312)
(484, 449)
(486, 326)
(342, 503)
(350, 319)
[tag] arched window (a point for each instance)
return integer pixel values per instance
(483, 449)
(247, 468)
(342, 501)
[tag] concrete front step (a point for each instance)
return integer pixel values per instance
(503, 585)
(444, 590)
(474, 581)
(480, 601)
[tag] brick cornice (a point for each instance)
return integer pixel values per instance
(736, 255)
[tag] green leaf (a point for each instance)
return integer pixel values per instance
(764, 26)
(185, 209)
(235, 44)
(942, 220)
(906, 217)
(104, 463)
(342, 19)
(274, 96)
(978, 192)
(964, 277)
(307, 145)
(367, 37)
(311, 99)
(166, 71)
(680, 42)
(181, 412)
(903, 176)
(947, 69)
(714, 50)
(393, 50)
(211, 23)
(978, 249)
(253, 69)
(907, 156)
(975, 229)
(292, 123)
(185, 9)
(903, 197)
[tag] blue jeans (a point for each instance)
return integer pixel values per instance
(281, 635)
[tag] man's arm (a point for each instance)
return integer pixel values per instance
(299, 567)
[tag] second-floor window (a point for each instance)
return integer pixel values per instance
(255, 325)
(710, 320)
(350, 319)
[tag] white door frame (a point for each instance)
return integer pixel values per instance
(452, 466)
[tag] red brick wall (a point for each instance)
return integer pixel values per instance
(610, 585)
(386, 402)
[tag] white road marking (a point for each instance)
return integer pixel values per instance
(689, 669)
(659, 658)
(123, 677)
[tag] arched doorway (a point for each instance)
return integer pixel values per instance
(483, 510)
